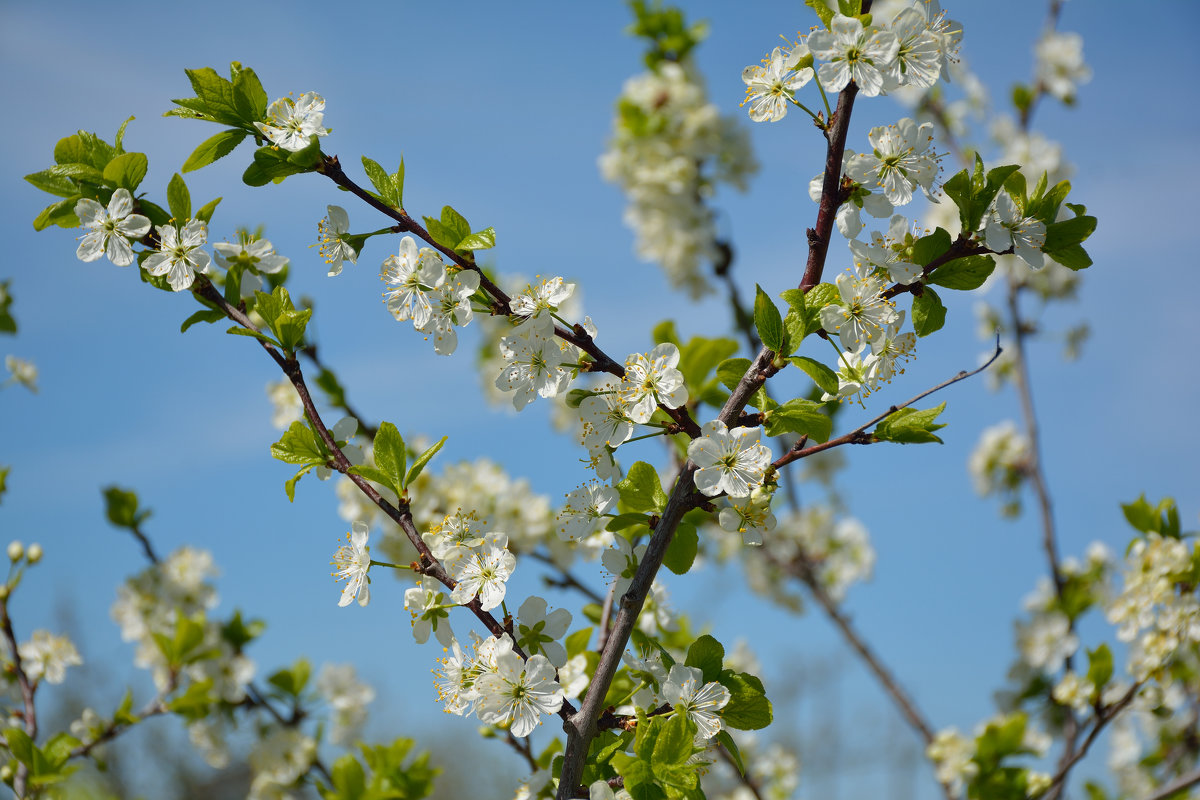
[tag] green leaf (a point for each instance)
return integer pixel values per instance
(421, 461)
(61, 213)
(381, 181)
(958, 189)
(291, 681)
(239, 633)
(372, 474)
(289, 485)
(708, 655)
(1072, 257)
(121, 508)
(300, 445)
(84, 148)
(800, 416)
(398, 181)
(216, 94)
(249, 97)
(480, 240)
(1100, 666)
(731, 370)
(748, 708)
(673, 745)
(968, 272)
(824, 12)
(206, 211)
(768, 322)
(822, 375)
(54, 182)
(927, 248)
(641, 490)
(209, 315)
(928, 313)
(391, 456)
(127, 170)
(701, 355)
(155, 213)
(664, 332)
(910, 426)
(214, 148)
(795, 321)
(179, 199)
(681, 552)
(1069, 232)
(451, 229)
(625, 521)
(726, 741)
(348, 778)
(20, 745)
(262, 337)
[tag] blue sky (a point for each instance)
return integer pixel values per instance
(501, 111)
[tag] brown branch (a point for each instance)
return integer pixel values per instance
(1103, 717)
(524, 748)
(582, 726)
(744, 778)
(24, 685)
(833, 194)
(565, 579)
(1185, 781)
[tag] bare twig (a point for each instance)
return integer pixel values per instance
(1185, 781)
(859, 434)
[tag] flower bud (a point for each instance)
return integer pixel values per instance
(6, 773)
(34, 553)
(15, 550)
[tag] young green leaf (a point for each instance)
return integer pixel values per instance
(731, 370)
(968, 272)
(420, 462)
(822, 375)
(928, 313)
(179, 199)
(206, 211)
(300, 445)
(213, 148)
(391, 456)
(927, 248)
(800, 416)
(480, 240)
(748, 708)
(681, 552)
(708, 655)
(910, 426)
(641, 490)
(127, 170)
(768, 322)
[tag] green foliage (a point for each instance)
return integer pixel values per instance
(731, 370)
(1162, 518)
(641, 489)
(237, 102)
(768, 322)
(300, 444)
(418, 465)
(126, 171)
(670, 37)
(748, 708)
(823, 12)
(213, 148)
(681, 552)
(928, 313)
(910, 426)
(386, 776)
(8, 323)
(121, 507)
(285, 321)
(804, 417)
(968, 272)
(973, 193)
(822, 376)
(45, 766)
(390, 187)
(927, 248)
(289, 682)
(659, 766)
(1100, 666)
(391, 456)
(707, 655)
(179, 199)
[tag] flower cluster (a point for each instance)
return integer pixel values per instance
(913, 50)
(425, 291)
(670, 149)
(999, 464)
(498, 686)
(868, 326)
(1157, 610)
(731, 462)
(479, 561)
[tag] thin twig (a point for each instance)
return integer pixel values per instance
(524, 748)
(744, 778)
(27, 689)
(859, 434)
(565, 579)
(1103, 717)
(1185, 781)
